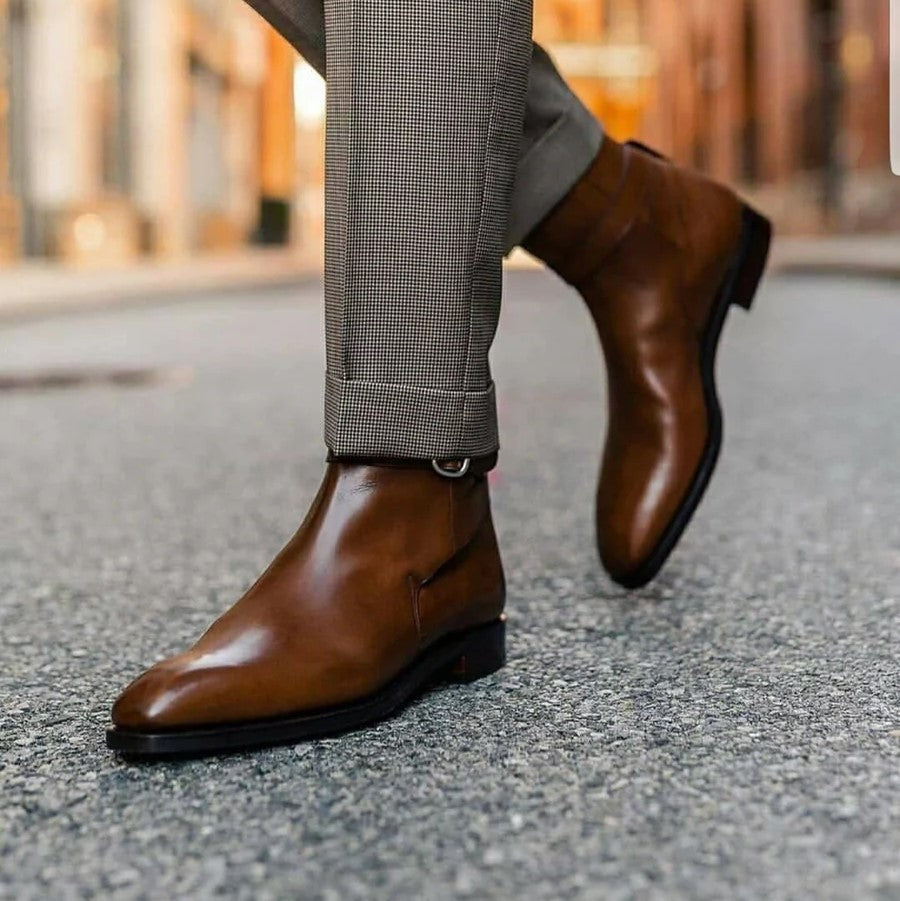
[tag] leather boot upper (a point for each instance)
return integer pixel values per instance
(387, 561)
(648, 246)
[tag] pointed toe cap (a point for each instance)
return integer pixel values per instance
(155, 700)
(623, 559)
(627, 544)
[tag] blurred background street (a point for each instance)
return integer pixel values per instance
(731, 732)
(159, 130)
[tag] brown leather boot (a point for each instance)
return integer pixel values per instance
(392, 582)
(658, 254)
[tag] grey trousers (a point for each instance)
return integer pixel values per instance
(449, 136)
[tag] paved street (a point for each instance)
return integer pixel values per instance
(732, 732)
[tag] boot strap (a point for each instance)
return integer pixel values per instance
(446, 467)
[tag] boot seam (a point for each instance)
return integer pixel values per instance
(584, 284)
(413, 586)
(417, 583)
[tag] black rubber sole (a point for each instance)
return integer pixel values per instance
(463, 657)
(739, 288)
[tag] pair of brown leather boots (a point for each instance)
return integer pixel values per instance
(394, 580)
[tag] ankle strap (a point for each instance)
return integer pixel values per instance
(448, 468)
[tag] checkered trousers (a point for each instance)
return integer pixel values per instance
(425, 113)
(559, 140)
(474, 83)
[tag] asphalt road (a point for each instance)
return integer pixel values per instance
(732, 732)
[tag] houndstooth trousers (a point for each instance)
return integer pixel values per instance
(449, 136)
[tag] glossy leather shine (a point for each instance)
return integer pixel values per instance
(388, 561)
(648, 246)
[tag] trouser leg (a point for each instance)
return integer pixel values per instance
(560, 137)
(425, 110)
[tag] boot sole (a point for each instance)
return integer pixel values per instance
(463, 657)
(739, 288)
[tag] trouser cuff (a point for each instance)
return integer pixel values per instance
(373, 419)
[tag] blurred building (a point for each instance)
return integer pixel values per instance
(140, 126)
(792, 96)
(788, 100)
(164, 127)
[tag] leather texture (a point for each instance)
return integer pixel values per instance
(648, 246)
(388, 561)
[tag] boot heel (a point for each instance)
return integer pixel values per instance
(755, 244)
(484, 653)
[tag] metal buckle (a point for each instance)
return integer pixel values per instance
(452, 473)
